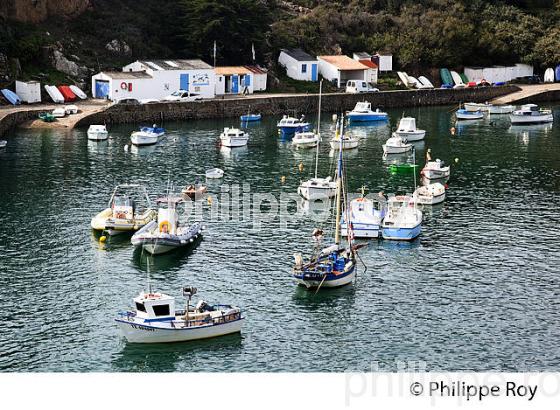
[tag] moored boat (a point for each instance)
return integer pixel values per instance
(307, 139)
(3, 143)
(234, 137)
(531, 114)
(250, 117)
(500, 109)
(363, 112)
(214, 173)
(474, 107)
(403, 221)
(291, 125)
(435, 169)
(147, 135)
(407, 130)
(396, 145)
(462, 114)
(155, 320)
(317, 188)
(430, 194)
(97, 133)
(364, 217)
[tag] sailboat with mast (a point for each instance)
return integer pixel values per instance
(317, 188)
(334, 265)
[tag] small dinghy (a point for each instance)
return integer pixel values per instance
(317, 188)
(155, 320)
(71, 109)
(305, 139)
(407, 130)
(463, 114)
(290, 125)
(474, 107)
(129, 210)
(166, 233)
(147, 135)
(233, 138)
(46, 117)
(59, 113)
(348, 142)
(362, 112)
(403, 221)
(194, 191)
(364, 217)
(500, 109)
(214, 173)
(54, 93)
(250, 117)
(3, 143)
(435, 169)
(11, 97)
(396, 145)
(531, 114)
(97, 133)
(78, 92)
(430, 194)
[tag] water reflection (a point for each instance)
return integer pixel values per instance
(171, 261)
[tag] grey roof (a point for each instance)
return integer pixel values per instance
(362, 55)
(126, 75)
(298, 54)
(176, 64)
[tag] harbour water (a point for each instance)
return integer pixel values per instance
(477, 292)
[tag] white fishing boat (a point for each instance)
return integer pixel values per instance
(531, 114)
(362, 112)
(396, 145)
(430, 194)
(500, 109)
(364, 216)
(334, 265)
(97, 133)
(71, 109)
(147, 135)
(166, 233)
(317, 188)
(463, 114)
(474, 107)
(403, 221)
(155, 320)
(129, 210)
(214, 173)
(408, 131)
(234, 137)
(348, 142)
(3, 143)
(307, 139)
(59, 113)
(291, 125)
(435, 169)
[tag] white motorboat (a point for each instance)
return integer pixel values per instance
(500, 109)
(317, 188)
(71, 109)
(129, 210)
(403, 221)
(531, 114)
(436, 170)
(147, 135)
(155, 320)
(214, 173)
(463, 114)
(305, 139)
(3, 143)
(474, 107)
(408, 131)
(290, 125)
(362, 112)
(364, 217)
(348, 142)
(59, 113)
(234, 137)
(396, 145)
(166, 233)
(430, 194)
(97, 133)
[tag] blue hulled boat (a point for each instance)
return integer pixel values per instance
(362, 112)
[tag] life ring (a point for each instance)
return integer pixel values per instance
(164, 225)
(124, 86)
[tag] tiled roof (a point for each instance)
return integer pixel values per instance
(232, 70)
(369, 63)
(343, 62)
(256, 69)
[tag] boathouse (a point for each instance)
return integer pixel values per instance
(383, 60)
(340, 69)
(155, 79)
(372, 68)
(234, 80)
(299, 65)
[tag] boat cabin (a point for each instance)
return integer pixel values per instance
(233, 132)
(407, 124)
(123, 207)
(153, 307)
(286, 121)
(363, 106)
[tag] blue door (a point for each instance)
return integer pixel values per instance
(314, 72)
(101, 89)
(184, 82)
(234, 84)
(247, 80)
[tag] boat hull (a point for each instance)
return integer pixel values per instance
(361, 230)
(396, 150)
(531, 119)
(97, 136)
(346, 144)
(366, 117)
(234, 142)
(143, 139)
(472, 116)
(411, 136)
(430, 200)
(332, 281)
(401, 234)
(435, 173)
(314, 193)
(148, 333)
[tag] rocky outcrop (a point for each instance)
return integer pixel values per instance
(118, 47)
(35, 11)
(66, 66)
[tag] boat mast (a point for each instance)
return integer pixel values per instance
(339, 184)
(318, 128)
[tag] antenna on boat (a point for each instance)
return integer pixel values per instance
(318, 128)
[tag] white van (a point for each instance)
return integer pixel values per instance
(358, 86)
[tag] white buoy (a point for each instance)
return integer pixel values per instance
(126, 148)
(334, 117)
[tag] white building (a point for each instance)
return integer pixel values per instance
(339, 69)
(299, 65)
(155, 79)
(260, 77)
(498, 74)
(384, 61)
(234, 80)
(373, 69)
(29, 92)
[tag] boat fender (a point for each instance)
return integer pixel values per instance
(124, 86)
(191, 240)
(183, 242)
(164, 226)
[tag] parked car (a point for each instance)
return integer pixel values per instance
(127, 101)
(357, 86)
(183, 96)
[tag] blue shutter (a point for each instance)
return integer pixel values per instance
(184, 82)
(247, 80)
(234, 84)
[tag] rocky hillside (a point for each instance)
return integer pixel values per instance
(37, 11)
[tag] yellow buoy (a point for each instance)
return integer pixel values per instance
(209, 200)
(452, 130)
(300, 166)
(283, 178)
(456, 160)
(103, 238)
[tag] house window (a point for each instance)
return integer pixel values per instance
(161, 310)
(304, 68)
